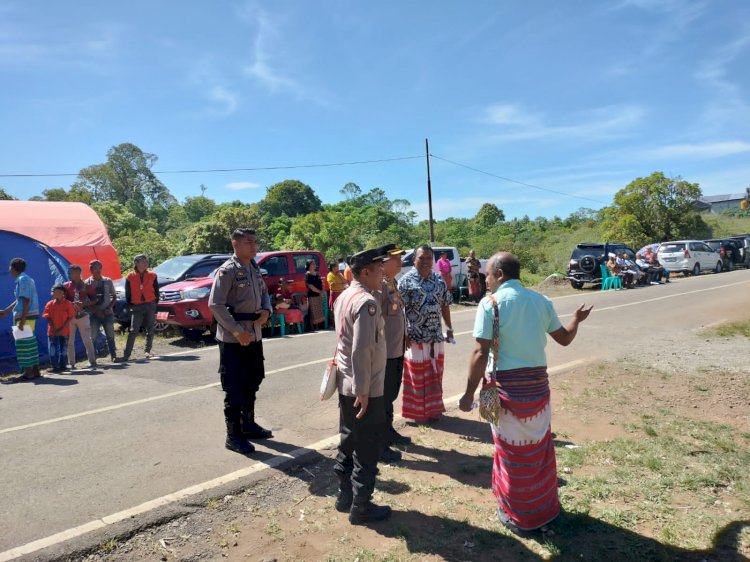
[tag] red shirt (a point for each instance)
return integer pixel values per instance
(56, 314)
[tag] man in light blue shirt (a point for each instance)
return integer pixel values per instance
(524, 477)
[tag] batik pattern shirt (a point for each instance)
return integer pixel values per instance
(423, 303)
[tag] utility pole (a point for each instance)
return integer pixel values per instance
(429, 190)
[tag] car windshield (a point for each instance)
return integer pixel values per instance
(671, 248)
(580, 251)
(714, 244)
(174, 268)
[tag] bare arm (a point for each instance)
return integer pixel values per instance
(566, 334)
(477, 367)
(446, 313)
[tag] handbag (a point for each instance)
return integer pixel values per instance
(489, 396)
(329, 384)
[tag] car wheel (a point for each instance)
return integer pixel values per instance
(696, 269)
(587, 264)
(730, 267)
(577, 284)
(719, 268)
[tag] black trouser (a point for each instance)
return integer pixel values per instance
(360, 445)
(241, 369)
(394, 372)
(144, 315)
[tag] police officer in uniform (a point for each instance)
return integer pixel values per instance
(361, 359)
(240, 304)
(395, 328)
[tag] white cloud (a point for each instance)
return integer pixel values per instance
(262, 67)
(728, 105)
(706, 150)
(227, 100)
(240, 185)
(678, 16)
(598, 123)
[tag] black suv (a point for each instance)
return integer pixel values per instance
(730, 251)
(586, 259)
(171, 271)
(744, 245)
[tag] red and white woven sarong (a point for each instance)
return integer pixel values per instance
(423, 381)
(524, 475)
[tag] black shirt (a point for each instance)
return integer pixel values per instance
(314, 280)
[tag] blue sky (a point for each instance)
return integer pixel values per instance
(578, 97)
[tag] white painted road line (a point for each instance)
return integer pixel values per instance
(96, 524)
(317, 361)
(144, 400)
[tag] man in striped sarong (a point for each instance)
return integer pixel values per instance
(25, 311)
(524, 476)
(426, 300)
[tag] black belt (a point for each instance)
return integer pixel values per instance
(243, 315)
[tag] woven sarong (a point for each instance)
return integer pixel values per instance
(27, 350)
(524, 475)
(423, 381)
(316, 309)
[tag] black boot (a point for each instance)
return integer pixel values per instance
(252, 430)
(396, 438)
(344, 498)
(235, 440)
(368, 512)
(389, 455)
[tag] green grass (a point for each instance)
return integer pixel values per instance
(732, 329)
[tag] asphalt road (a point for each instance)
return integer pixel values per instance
(78, 448)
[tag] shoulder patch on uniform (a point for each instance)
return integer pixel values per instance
(372, 309)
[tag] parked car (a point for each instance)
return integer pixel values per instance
(170, 271)
(689, 257)
(729, 251)
(185, 304)
(586, 259)
(744, 244)
(459, 271)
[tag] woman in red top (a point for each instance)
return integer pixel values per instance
(142, 294)
(58, 312)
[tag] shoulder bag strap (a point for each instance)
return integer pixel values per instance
(495, 337)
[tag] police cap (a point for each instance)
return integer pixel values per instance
(391, 250)
(367, 257)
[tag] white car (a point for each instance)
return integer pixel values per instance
(689, 257)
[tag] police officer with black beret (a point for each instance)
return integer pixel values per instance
(361, 359)
(240, 304)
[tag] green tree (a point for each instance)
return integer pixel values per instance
(199, 207)
(126, 178)
(74, 194)
(488, 216)
(5, 196)
(655, 208)
(120, 221)
(213, 233)
(291, 198)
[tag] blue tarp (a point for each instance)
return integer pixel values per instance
(47, 268)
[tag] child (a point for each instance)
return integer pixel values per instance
(58, 312)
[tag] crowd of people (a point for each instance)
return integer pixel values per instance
(390, 334)
(78, 305)
(644, 270)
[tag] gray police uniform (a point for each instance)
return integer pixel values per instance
(237, 294)
(395, 328)
(361, 359)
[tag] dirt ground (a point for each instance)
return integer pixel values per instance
(652, 462)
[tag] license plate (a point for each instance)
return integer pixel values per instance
(670, 259)
(162, 315)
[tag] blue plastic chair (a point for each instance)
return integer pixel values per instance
(609, 281)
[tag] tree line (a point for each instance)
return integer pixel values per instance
(142, 216)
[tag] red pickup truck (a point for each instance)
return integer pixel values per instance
(185, 304)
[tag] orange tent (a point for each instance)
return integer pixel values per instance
(73, 229)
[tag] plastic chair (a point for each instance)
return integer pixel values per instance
(609, 281)
(461, 290)
(287, 316)
(272, 321)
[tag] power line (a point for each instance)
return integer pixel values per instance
(516, 181)
(219, 170)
